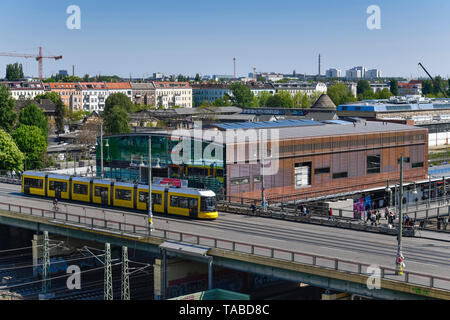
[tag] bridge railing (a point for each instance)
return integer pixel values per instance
(137, 224)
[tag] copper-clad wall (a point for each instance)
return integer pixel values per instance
(339, 153)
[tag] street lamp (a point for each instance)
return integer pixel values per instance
(389, 192)
(399, 260)
(150, 214)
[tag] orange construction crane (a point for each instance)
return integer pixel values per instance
(38, 58)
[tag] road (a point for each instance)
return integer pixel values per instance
(422, 255)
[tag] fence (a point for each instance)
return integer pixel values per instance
(117, 222)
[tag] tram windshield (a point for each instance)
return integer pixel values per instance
(208, 204)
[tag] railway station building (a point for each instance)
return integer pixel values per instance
(288, 159)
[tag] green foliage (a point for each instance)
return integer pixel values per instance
(32, 115)
(61, 78)
(7, 114)
(281, 99)
(340, 93)
(394, 87)
(31, 142)
(78, 115)
(116, 120)
(302, 100)
(263, 97)
(242, 96)
(14, 72)
(197, 77)
(383, 94)
(118, 99)
(61, 110)
(363, 86)
(11, 158)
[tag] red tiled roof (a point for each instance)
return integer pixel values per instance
(171, 85)
(118, 85)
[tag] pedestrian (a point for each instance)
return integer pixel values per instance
(330, 214)
(13, 174)
(386, 213)
(253, 207)
(373, 218)
(304, 210)
(406, 220)
(378, 217)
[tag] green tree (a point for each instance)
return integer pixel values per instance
(61, 110)
(197, 77)
(383, 94)
(32, 143)
(14, 72)
(263, 97)
(242, 96)
(340, 93)
(116, 121)
(281, 99)
(118, 99)
(32, 115)
(362, 87)
(7, 114)
(11, 158)
(394, 87)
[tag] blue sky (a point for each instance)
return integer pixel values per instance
(145, 36)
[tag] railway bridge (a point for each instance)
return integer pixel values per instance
(326, 257)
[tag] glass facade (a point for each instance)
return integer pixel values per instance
(125, 158)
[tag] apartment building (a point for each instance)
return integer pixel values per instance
(94, 95)
(304, 87)
(143, 93)
(119, 87)
(169, 94)
(208, 92)
(70, 93)
(24, 90)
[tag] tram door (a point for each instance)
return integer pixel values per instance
(103, 193)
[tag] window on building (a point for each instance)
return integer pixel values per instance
(373, 164)
(417, 165)
(302, 174)
(322, 170)
(340, 175)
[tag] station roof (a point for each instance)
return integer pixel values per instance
(391, 107)
(267, 124)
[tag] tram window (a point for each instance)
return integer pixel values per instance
(193, 203)
(100, 190)
(80, 188)
(33, 183)
(156, 197)
(183, 202)
(62, 186)
(174, 201)
(208, 204)
(122, 194)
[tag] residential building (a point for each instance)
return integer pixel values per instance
(24, 90)
(353, 74)
(379, 86)
(70, 93)
(158, 76)
(169, 94)
(119, 87)
(143, 93)
(333, 73)
(94, 95)
(258, 88)
(373, 74)
(208, 92)
(305, 87)
(405, 88)
(217, 77)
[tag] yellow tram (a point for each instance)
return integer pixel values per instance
(189, 202)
